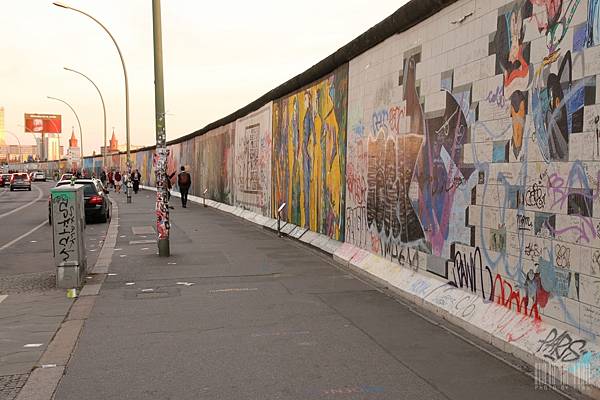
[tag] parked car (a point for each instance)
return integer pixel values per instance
(65, 177)
(20, 180)
(95, 198)
(4, 180)
(39, 176)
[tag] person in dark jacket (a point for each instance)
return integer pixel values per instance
(184, 181)
(135, 179)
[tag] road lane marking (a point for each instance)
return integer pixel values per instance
(7, 245)
(6, 214)
(2, 297)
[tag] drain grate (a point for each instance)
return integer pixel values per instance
(11, 385)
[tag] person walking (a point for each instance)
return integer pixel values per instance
(103, 178)
(117, 181)
(135, 179)
(184, 181)
(111, 179)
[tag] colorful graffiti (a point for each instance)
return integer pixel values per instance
(309, 140)
(214, 164)
(252, 170)
(473, 156)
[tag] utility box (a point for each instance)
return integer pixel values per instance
(68, 225)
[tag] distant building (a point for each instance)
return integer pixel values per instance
(74, 151)
(115, 147)
(52, 146)
(13, 153)
(2, 132)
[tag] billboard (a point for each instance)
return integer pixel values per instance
(46, 123)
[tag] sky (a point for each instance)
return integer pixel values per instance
(218, 56)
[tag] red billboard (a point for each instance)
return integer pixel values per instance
(46, 123)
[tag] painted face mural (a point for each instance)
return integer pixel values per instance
(512, 54)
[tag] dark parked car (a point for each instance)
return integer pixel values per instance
(4, 180)
(95, 197)
(20, 180)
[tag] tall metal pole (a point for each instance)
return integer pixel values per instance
(103, 111)
(58, 4)
(160, 159)
(78, 123)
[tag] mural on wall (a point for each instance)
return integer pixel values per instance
(593, 23)
(309, 149)
(252, 167)
(485, 171)
(214, 172)
(475, 162)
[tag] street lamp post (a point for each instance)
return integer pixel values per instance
(162, 199)
(78, 123)
(103, 111)
(58, 4)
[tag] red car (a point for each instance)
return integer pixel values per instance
(4, 180)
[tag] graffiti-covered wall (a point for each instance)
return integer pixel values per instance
(466, 148)
(473, 155)
(309, 155)
(214, 171)
(252, 168)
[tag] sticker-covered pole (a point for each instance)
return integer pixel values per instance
(160, 157)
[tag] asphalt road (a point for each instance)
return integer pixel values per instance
(20, 213)
(26, 262)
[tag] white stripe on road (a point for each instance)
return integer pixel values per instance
(6, 214)
(2, 297)
(23, 236)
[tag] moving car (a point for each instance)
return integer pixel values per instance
(20, 180)
(39, 176)
(4, 180)
(95, 198)
(65, 177)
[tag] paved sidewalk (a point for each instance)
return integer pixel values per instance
(237, 313)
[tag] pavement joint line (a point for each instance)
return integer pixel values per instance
(43, 382)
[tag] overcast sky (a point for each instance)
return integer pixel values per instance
(218, 57)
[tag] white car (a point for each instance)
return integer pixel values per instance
(39, 176)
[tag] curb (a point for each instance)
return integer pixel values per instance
(47, 373)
